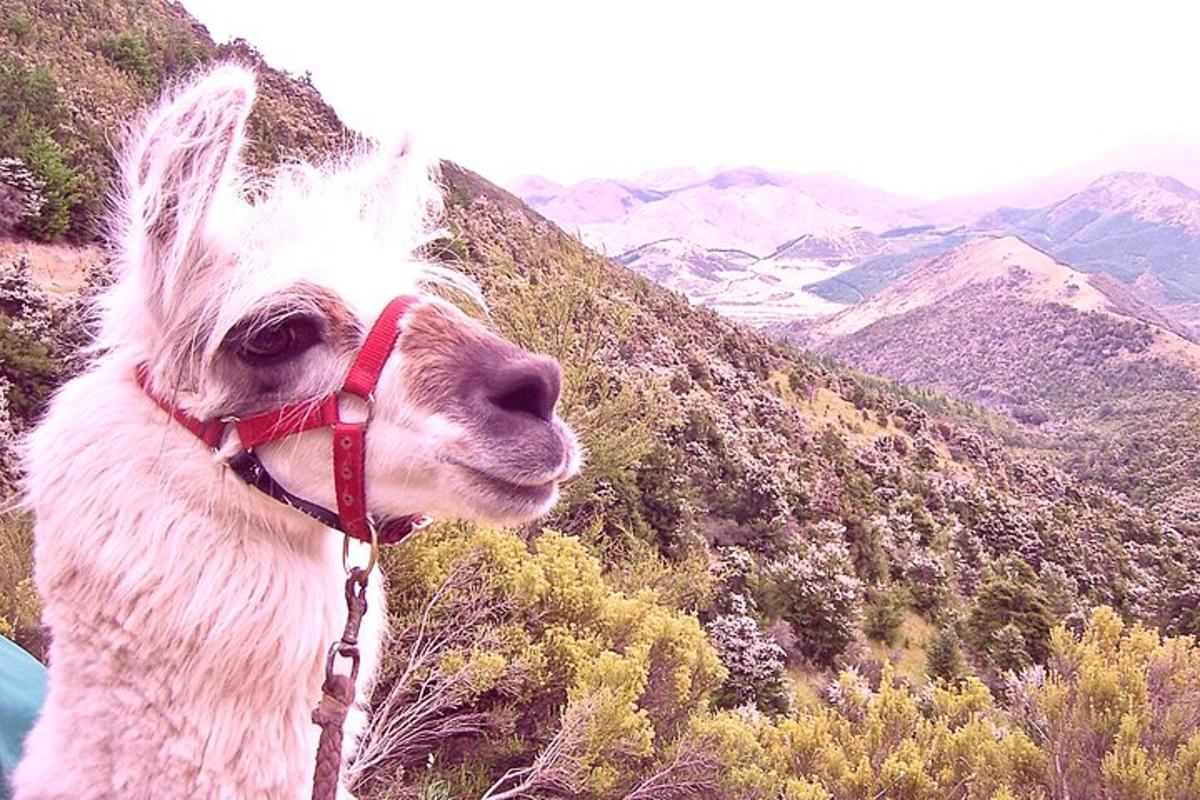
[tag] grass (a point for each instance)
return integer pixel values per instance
(908, 656)
(831, 407)
(20, 614)
(804, 681)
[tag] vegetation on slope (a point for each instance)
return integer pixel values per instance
(1107, 392)
(876, 274)
(72, 74)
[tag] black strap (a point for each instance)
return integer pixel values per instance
(247, 467)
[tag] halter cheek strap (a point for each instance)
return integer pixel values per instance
(349, 438)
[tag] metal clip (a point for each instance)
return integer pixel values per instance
(372, 558)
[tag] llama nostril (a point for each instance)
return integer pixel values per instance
(529, 386)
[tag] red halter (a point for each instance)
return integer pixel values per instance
(349, 438)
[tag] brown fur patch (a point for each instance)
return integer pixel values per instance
(443, 348)
(345, 330)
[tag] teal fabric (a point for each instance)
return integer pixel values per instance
(22, 690)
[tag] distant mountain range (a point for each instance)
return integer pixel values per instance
(806, 246)
(1076, 316)
(752, 289)
(747, 209)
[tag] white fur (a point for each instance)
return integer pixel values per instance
(189, 614)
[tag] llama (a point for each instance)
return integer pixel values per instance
(189, 612)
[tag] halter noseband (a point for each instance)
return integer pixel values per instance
(349, 438)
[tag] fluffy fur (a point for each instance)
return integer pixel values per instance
(189, 614)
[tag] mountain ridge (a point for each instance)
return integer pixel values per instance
(983, 260)
(1142, 229)
(620, 215)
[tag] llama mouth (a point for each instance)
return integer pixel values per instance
(495, 485)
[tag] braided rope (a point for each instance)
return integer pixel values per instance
(337, 692)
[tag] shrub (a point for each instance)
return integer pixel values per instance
(1011, 620)
(882, 743)
(129, 52)
(30, 372)
(943, 655)
(926, 578)
(19, 608)
(20, 195)
(754, 661)
(29, 100)
(814, 590)
(9, 460)
(1120, 709)
(19, 24)
(60, 187)
(884, 615)
(533, 653)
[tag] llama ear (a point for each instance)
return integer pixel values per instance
(185, 154)
(400, 191)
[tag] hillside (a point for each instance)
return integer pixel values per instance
(1102, 375)
(747, 590)
(72, 74)
(764, 291)
(982, 263)
(1141, 229)
(1134, 226)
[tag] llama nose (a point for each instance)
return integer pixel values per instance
(528, 385)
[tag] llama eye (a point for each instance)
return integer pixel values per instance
(280, 342)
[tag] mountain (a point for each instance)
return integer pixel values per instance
(664, 180)
(715, 214)
(824, 241)
(906, 247)
(1174, 155)
(985, 265)
(539, 191)
(752, 522)
(1133, 226)
(746, 208)
(1143, 230)
(1102, 376)
(685, 267)
(845, 246)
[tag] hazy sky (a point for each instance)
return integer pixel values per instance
(926, 98)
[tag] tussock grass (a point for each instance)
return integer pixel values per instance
(20, 613)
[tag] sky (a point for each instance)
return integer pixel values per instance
(923, 98)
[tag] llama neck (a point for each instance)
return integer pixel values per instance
(164, 576)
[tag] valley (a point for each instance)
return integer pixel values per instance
(1139, 228)
(1073, 318)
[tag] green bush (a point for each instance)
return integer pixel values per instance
(814, 590)
(29, 368)
(943, 655)
(1011, 615)
(883, 616)
(129, 51)
(29, 102)
(18, 24)
(61, 187)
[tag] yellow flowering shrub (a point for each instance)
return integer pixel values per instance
(612, 696)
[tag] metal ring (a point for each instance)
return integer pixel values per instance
(371, 559)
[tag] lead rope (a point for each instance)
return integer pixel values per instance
(337, 692)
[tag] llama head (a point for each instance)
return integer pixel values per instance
(238, 306)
